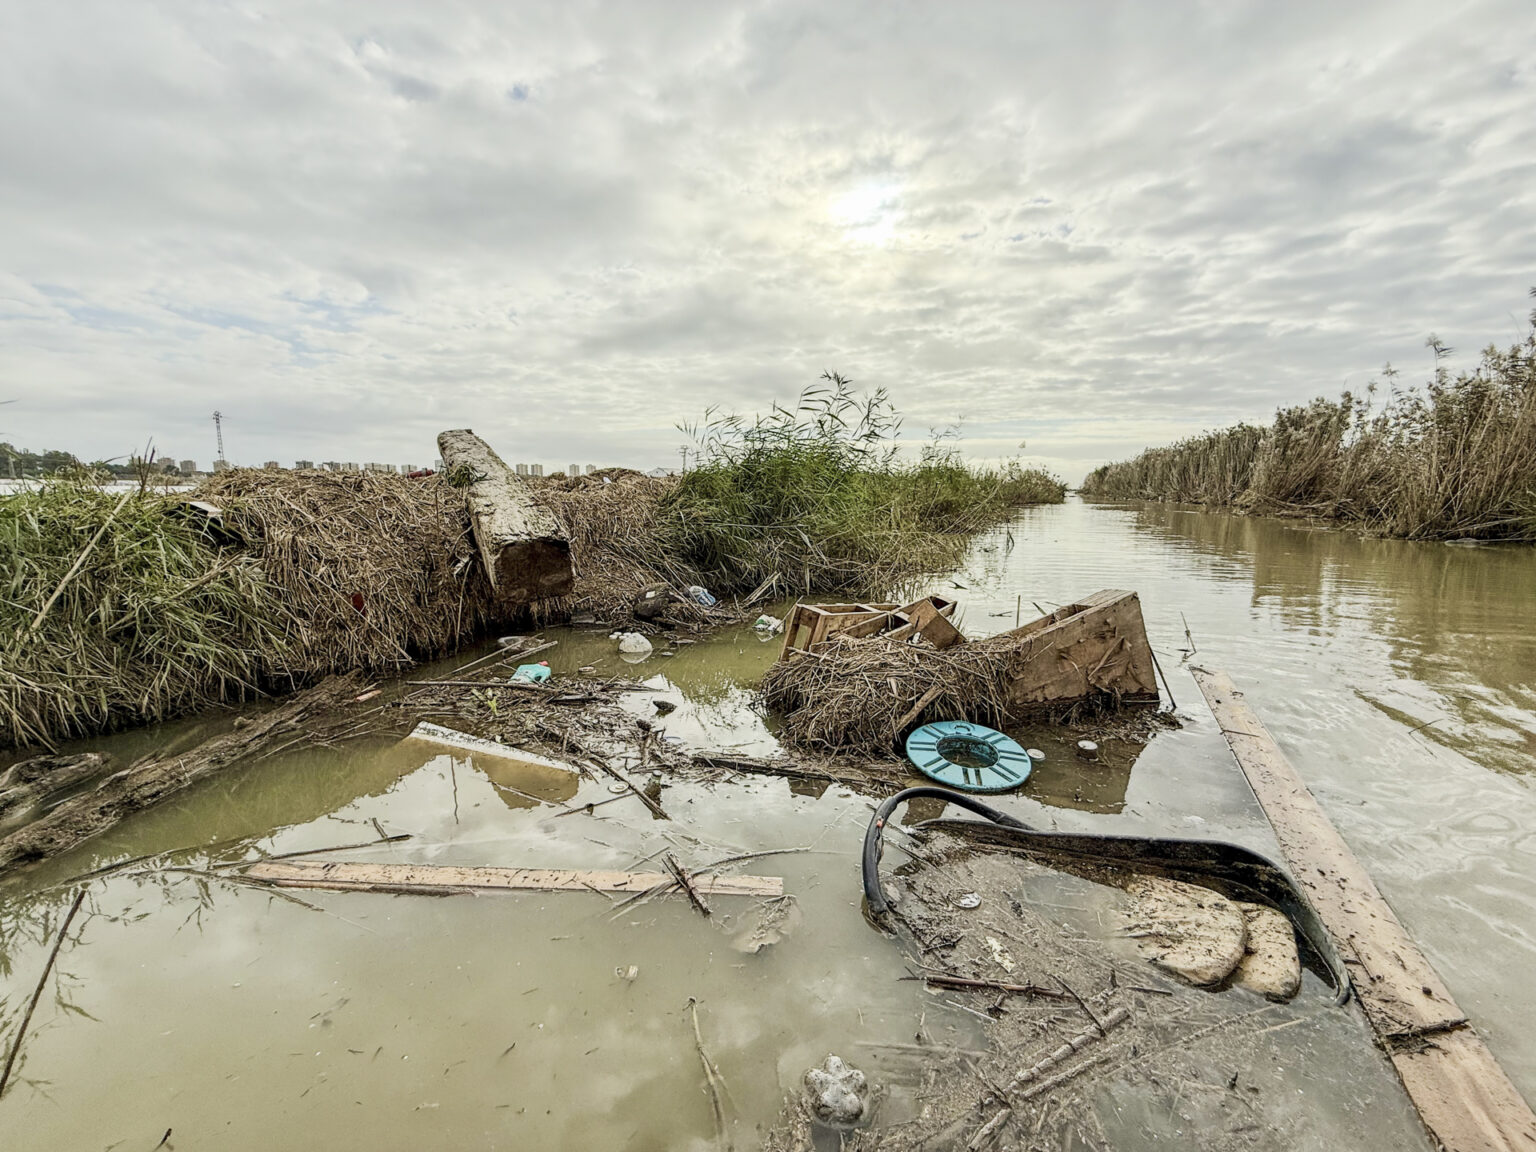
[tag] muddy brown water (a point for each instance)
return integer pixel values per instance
(1400, 677)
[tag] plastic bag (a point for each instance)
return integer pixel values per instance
(632, 644)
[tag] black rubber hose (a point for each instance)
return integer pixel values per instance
(873, 835)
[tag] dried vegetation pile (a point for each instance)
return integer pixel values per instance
(613, 520)
(861, 694)
(372, 571)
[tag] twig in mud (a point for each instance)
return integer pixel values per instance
(1087, 1011)
(680, 874)
(1190, 651)
(164, 1140)
(943, 980)
(707, 870)
(587, 807)
(37, 993)
(1044, 1086)
(712, 1078)
(395, 839)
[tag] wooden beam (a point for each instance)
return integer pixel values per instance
(445, 879)
(1463, 1096)
(526, 553)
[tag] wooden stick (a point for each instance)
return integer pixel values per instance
(916, 710)
(429, 879)
(985, 1133)
(941, 980)
(1075, 1044)
(37, 993)
(712, 1078)
(680, 874)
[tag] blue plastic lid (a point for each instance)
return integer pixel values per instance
(970, 757)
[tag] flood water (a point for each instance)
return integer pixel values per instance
(1400, 678)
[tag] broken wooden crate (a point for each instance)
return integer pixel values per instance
(1095, 646)
(809, 626)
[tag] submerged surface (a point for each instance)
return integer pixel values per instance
(244, 1021)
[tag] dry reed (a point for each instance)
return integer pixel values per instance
(1453, 459)
(858, 694)
(374, 571)
(612, 518)
(114, 611)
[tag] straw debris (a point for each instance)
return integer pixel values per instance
(374, 571)
(857, 694)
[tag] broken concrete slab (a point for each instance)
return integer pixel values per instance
(1196, 934)
(1271, 965)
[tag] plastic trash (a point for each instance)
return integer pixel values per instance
(700, 595)
(768, 624)
(632, 645)
(532, 673)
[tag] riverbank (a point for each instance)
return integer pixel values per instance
(1454, 459)
(125, 608)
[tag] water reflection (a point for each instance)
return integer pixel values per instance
(1458, 623)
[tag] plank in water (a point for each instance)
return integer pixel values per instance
(444, 878)
(1461, 1093)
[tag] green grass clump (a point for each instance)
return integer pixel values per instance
(1453, 459)
(815, 498)
(150, 621)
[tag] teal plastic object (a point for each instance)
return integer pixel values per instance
(532, 673)
(970, 757)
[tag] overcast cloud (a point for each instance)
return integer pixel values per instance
(1089, 227)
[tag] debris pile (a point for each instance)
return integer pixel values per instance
(1086, 1044)
(859, 677)
(613, 521)
(372, 571)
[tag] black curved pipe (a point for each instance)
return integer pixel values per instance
(1238, 868)
(873, 835)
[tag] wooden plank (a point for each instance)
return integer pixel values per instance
(524, 549)
(1463, 1096)
(438, 879)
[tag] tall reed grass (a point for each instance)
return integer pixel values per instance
(113, 612)
(1455, 458)
(815, 497)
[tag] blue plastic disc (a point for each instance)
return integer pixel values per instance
(970, 757)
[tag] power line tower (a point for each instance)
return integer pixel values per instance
(218, 431)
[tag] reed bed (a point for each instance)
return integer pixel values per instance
(115, 611)
(813, 499)
(1453, 459)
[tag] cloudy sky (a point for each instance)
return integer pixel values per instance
(1087, 226)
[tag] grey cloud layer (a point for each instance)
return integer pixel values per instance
(1090, 226)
